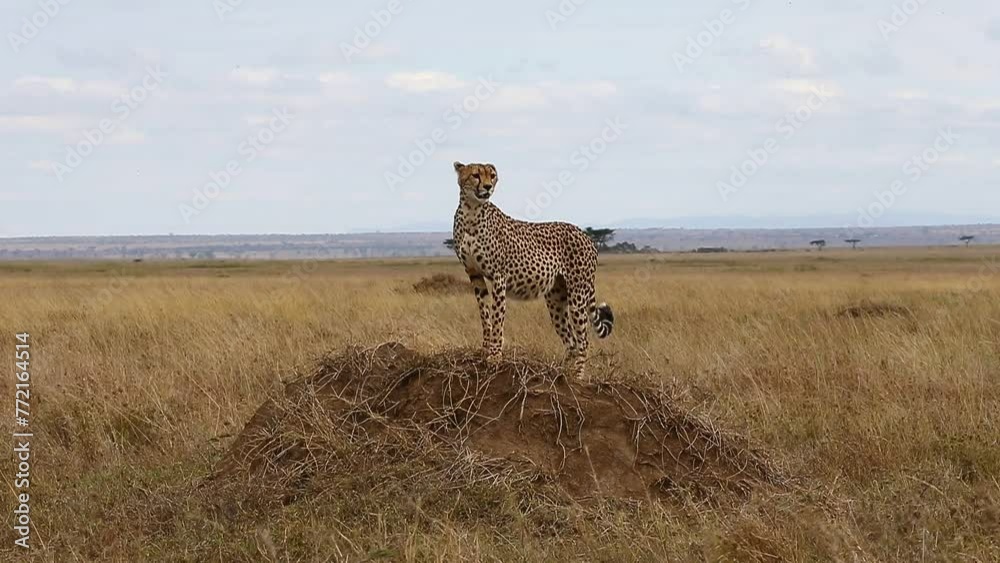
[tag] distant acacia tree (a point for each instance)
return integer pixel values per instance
(600, 237)
(967, 239)
(450, 243)
(820, 244)
(623, 248)
(853, 242)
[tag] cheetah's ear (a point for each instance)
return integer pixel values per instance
(491, 167)
(459, 166)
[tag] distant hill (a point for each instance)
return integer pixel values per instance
(383, 245)
(818, 221)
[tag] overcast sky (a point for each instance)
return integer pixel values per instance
(591, 112)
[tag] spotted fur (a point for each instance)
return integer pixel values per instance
(501, 255)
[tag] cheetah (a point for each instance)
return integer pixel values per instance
(557, 261)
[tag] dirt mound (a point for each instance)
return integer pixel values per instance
(866, 309)
(392, 413)
(442, 284)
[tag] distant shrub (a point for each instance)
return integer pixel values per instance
(442, 284)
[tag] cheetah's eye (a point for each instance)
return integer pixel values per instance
(476, 175)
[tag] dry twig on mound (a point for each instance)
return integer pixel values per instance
(454, 419)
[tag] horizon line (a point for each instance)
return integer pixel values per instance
(407, 232)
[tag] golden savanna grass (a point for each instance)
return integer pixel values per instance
(872, 378)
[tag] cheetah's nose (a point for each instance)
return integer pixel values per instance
(487, 187)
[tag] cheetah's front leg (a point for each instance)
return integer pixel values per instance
(482, 292)
(499, 314)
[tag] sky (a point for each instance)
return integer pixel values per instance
(249, 116)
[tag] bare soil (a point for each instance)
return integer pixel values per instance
(516, 422)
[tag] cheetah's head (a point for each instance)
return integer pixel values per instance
(477, 180)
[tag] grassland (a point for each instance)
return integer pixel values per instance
(871, 377)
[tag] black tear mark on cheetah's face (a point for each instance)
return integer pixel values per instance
(477, 180)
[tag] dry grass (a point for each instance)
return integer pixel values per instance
(889, 422)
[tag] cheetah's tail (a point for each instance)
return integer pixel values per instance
(602, 318)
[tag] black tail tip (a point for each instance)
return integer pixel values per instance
(605, 320)
(604, 313)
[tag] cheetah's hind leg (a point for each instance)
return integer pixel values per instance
(557, 300)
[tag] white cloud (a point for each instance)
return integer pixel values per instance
(296, 102)
(342, 87)
(712, 103)
(39, 122)
(519, 97)
(127, 136)
(516, 98)
(45, 165)
(65, 85)
(986, 105)
(257, 76)
(909, 95)
(515, 132)
(802, 86)
(789, 52)
(258, 120)
(337, 79)
(955, 158)
(364, 197)
(380, 51)
(593, 89)
(59, 84)
(422, 82)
